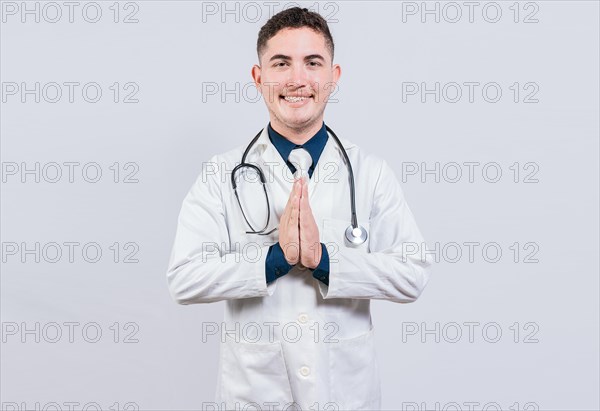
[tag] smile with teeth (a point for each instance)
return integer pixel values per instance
(293, 99)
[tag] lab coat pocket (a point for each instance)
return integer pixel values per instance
(253, 373)
(355, 383)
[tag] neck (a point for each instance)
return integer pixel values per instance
(297, 135)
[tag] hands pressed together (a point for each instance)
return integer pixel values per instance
(298, 231)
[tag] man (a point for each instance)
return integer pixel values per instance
(297, 326)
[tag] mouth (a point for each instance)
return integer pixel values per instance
(296, 101)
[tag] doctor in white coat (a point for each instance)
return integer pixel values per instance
(297, 333)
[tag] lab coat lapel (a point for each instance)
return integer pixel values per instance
(328, 178)
(279, 178)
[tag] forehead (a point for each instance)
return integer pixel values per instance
(297, 42)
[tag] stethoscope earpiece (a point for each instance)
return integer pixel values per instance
(356, 235)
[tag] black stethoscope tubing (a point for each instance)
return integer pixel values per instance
(350, 232)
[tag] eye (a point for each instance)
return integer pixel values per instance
(280, 64)
(314, 63)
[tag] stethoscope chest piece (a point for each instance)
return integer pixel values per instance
(356, 235)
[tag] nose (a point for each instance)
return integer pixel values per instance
(298, 77)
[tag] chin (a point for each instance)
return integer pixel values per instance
(299, 123)
(299, 119)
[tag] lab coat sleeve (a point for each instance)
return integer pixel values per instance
(203, 268)
(393, 269)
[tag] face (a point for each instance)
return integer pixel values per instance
(295, 78)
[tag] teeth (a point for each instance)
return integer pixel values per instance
(294, 99)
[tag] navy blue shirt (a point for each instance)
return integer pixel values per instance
(276, 265)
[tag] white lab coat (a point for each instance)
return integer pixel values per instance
(296, 340)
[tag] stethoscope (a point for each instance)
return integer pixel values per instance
(355, 233)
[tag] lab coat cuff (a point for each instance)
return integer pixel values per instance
(264, 289)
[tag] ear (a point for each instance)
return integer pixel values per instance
(336, 71)
(255, 73)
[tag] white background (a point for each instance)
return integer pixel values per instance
(175, 51)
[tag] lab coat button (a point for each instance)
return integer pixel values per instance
(305, 371)
(303, 318)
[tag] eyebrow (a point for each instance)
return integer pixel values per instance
(309, 57)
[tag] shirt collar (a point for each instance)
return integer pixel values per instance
(314, 146)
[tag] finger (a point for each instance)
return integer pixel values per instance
(305, 203)
(305, 210)
(300, 196)
(295, 205)
(290, 202)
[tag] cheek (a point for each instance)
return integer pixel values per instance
(323, 93)
(325, 85)
(270, 91)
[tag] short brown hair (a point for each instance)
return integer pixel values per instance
(294, 17)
